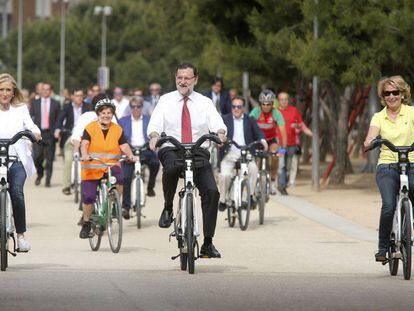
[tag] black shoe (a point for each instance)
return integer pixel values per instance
(222, 206)
(47, 184)
(66, 191)
(151, 193)
(283, 191)
(38, 180)
(86, 230)
(165, 218)
(381, 255)
(253, 202)
(209, 251)
(125, 213)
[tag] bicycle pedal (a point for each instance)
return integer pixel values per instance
(11, 253)
(19, 251)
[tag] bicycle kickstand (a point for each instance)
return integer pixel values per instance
(175, 257)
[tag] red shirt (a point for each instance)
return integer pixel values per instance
(291, 115)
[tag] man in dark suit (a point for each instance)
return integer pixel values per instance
(45, 112)
(68, 118)
(220, 98)
(243, 130)
(135, 130)
(151, 100)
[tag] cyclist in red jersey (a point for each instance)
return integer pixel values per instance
(270, 120)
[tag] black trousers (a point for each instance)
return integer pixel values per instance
(45, 151)
(203, 179)
(128, 170)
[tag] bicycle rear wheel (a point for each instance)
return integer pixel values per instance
(3, 232)
(189, 233)
(231, 215)
(95, 240)
(76, 186)
(262, 199)
(114, 220)
(245, 204)
(406, 238)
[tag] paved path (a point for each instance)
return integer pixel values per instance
(295, 260)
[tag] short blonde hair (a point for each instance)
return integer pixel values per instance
(18, 98)
(399, 83)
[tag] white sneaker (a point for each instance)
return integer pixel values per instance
(272, 188)
(22, 245)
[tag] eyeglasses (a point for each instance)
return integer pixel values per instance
(388, 93)
(237, 106)
(155, 90)
(186, 79)
(267, 104)
(135, 106)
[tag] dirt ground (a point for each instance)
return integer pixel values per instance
(358, 200)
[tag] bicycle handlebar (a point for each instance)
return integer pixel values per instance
(249, 146)
(169, 139)
(122, 159)
(378, 141)
(5, 142)
(140, 148)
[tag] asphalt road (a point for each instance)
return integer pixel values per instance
(296, 260)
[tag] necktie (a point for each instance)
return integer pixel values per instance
(186, 134)
(45, 115)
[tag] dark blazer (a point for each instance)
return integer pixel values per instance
(252, 131)
(225, 102)
(126, 124)
(66, 118)
(35, 112)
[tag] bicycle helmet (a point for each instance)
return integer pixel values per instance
(106, 102)
(267, 96)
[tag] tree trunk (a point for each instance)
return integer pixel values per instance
(342, 163)
(372, 156)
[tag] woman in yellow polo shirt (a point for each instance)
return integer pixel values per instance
(396, 123)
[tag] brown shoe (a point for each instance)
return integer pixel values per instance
(66, 190)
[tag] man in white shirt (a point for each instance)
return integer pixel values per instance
(199, 117)
(121, 103)
(135, 131)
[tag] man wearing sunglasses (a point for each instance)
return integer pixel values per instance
(135, 130)
(243, 130)
(271, 121)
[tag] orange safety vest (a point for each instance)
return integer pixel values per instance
(107, 149)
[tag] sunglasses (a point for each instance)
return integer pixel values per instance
(388, 93)
(237, 106)
(267, 104)
(135, 106)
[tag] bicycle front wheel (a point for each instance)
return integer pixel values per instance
(406, 238)
(393, 262)
(189, 233)
(114, 220)
(231, 210)
(245, 204)
(262, 198)
(3, 231)
(76, 178)
(138, 198)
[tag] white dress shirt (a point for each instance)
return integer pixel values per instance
(14, 120)
(238, 133)
(84, 120)
(137, 133)
(167, 115)
(77, 112)
(122, 107)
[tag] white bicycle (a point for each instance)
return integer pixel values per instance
(7, 229)
(401, 239)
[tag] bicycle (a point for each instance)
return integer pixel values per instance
(107, 213)
(76, 177)
(186, 228)
(401, 239)
(137, 187)
(7, 230)
(262, 193)
(213, 156)
(238, 195)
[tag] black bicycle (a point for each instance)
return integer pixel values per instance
(186, 228)
(7, 230)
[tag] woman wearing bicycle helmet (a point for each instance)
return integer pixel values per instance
(15, 117)
(394, 122)
(105, 140)
(270, 120)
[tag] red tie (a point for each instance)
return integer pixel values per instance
(186, 134)
(45, 116)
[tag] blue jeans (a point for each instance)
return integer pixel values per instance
(388, 181)
(17, 178)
